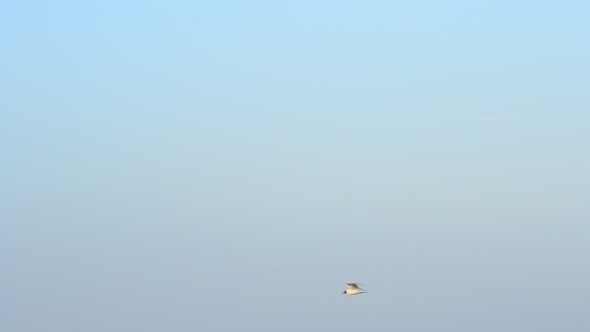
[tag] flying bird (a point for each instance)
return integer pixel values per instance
(353, 289)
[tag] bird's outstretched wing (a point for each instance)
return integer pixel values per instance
(353, 285)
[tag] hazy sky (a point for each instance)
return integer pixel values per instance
(230, 165)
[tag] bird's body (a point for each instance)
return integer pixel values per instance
(353, 289)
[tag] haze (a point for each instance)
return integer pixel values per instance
(230, 166)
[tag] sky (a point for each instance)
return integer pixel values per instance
(231, 165)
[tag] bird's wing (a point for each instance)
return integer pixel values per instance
(352, 285)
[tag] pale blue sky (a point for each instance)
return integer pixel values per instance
(270, 152)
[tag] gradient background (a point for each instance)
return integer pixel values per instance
(229, 166)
